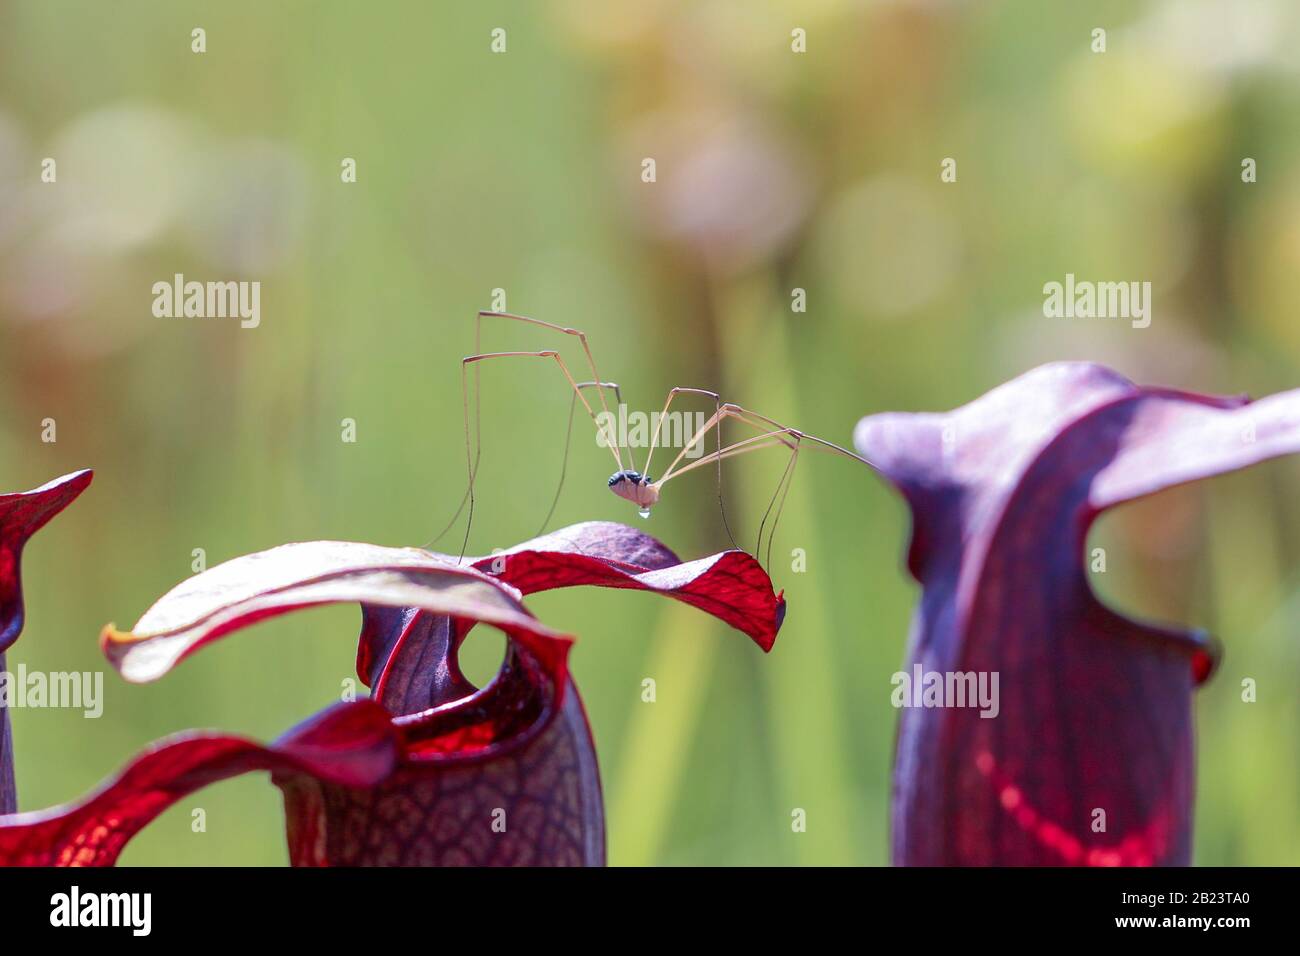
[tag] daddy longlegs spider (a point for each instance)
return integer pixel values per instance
(626, 482)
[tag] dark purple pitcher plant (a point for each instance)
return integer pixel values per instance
(1096, 709)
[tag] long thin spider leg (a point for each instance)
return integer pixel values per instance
(725, 411)
(790, 438)
(766, 440)
(722, 508)
(586, 348)
(477, 444)
(568, 437)
(752, 418)
(472, 457)
(673, 393)
(731, 451)
(464, 499)
(785, 473)
(717, 419)
(754, 443)
(477, 451)
(821, 444)
(471, 460)
(759, 421)
(568, 376)
(782, 489)
(780, 508)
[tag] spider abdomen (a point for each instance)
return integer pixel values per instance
(636, 488)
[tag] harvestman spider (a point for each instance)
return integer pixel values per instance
(635, 486)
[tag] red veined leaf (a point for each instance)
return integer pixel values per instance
(248, 589)
(348, 745)
(1094, 709)
(731, 586)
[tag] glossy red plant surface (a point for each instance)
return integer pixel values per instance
(21, 515)
(431, 770)
(1095, 709)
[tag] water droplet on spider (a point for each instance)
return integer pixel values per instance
(643, 512)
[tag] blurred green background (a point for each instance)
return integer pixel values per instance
(521, 171)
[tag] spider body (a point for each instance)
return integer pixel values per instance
(637, 488)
